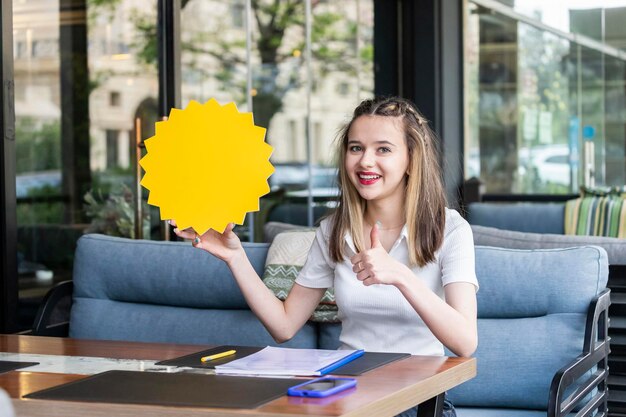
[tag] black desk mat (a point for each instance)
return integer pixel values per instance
(193, 360)
(6, 366)
(178, 389)
(367, 362)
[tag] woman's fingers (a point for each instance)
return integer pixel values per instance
(185, 234)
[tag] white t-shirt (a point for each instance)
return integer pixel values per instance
(378, 318)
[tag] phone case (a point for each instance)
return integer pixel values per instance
(295, 392)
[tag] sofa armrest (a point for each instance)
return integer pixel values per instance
(53, 316)
(593, 361)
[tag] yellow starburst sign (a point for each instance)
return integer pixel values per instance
(207, 166)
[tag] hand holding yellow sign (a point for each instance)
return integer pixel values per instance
(207, 166)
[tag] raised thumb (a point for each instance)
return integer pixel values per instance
(374, 237)
(229, 228)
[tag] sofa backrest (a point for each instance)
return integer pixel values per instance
(521, 217)
(532, 307)
(141, 290)
(490, 236)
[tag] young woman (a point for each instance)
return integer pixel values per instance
(401, 263)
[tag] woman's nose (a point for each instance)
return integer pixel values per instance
(367, 160)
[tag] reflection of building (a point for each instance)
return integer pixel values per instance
(333, 94)
(608, 83)
(125, 88)
(545, 76)
(120, 84)
(36, 65)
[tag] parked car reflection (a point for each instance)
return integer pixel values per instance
(293, 178)
(550, 163)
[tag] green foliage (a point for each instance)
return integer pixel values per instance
(37, 145)
(108, 4)
(333, 49)
(114, 214)
(97, 7)
(145, 42)
(44, 212)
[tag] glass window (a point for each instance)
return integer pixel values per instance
(539, 102)
(75, 136)
(86, 95)
(583, 17)
(215, 64)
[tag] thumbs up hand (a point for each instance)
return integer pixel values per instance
(375, 239)
(375, 265)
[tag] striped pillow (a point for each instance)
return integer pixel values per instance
(285, 258)
(594, 215)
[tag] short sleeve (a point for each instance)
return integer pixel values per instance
(457, 258)
(318, 270)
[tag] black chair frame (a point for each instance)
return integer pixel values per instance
(42, 325)
(593, 361)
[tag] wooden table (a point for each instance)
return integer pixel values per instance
(385, 391)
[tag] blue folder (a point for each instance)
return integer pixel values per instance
(327, 369)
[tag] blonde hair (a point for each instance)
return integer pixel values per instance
(425, 197)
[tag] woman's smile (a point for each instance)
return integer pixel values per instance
(368, 178)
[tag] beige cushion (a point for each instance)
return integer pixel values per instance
(285, 259)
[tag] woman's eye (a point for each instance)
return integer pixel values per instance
(355, 148)
(384, 149)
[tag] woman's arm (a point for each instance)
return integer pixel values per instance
(281, 319)
(452, 321)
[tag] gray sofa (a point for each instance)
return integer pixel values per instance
(532, 317)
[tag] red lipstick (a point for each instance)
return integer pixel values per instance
(368, 178)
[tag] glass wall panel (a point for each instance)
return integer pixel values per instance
(215, 64)
(591, 79)
(596, 19)
(615, 121)
(494, 153)
(338, 75)
(84, 71)
(213, 51)
(342, 76)
(544, 109)
(213, 57)
(279, 102)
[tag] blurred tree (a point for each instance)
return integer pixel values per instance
(39, 145)
(333, 39)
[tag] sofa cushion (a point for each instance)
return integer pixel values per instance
(272, 229)
(596, 216)
(490, 236)
(102, 319)
(143, 290)
(285, 258)
(521, 217)
(532, 309)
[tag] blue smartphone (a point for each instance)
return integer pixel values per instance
(321, 387)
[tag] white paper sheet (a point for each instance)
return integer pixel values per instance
(284, 361)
